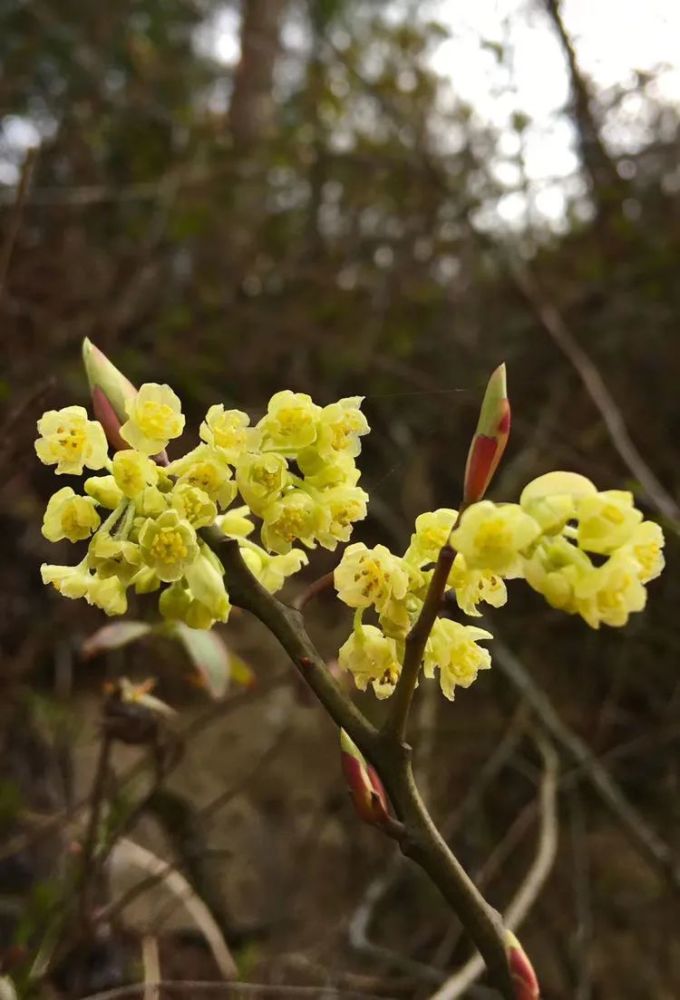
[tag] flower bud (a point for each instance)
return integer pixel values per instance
(521, 970)
(110, 390)
(365, 787)
(490, 438)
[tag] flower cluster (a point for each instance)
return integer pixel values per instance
(295, 470)
(587, 552)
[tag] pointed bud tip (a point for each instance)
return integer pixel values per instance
(490, 437)
(521, 969)
(365, 787)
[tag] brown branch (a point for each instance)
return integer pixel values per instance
(400, 702)
(420, 839)
(313, 590)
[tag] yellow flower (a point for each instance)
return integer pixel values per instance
(606, 521)
(453, 649)
(340, 427)
(206, 583)
(227, 430)
(611, 592)
(494, 537)
(551, 499)
(176, 604)
(104, 491)
(261, 479)
(432, 532)
(474, 586)
(69, 581)
(235, 523)
(295, 516)
(168, 545)
(70, 441)
(290, 422)
(154, 418)
(150, 502)
(272, 571)
(69, 516)
(372, 659)
(145, 581)
(113, 557)
(646, 547)
(344, 505)
(133, 471)
(366, 577)
(206, 468)
(107, 594)
(194, 504)
(322, 473)
(554, 569)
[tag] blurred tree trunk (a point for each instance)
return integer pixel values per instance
(251, 113)
(607, 186)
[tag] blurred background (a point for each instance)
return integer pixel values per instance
(374, 198)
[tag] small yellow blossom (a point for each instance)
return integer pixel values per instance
(606, 521)
(154, 418)
(272, 571)
(150, 502)
(366, 577)
(69, 516)
(261, 479)
(453, 649)
(345, 505)
(432, 532)
(69, 581)
(611, 592)
(110, 556)
(551, 499)
(371, 658)
(104, 491)
(646, 547)
(194, 504)
(133, 471)
(145, 581)
(290, 423)
(554, 569)
(168, 545)
(322, 473)
(178, 604)
(206, 468)
(294, 517)
(108, 595)
(494, 537)
(476, 586)
(340, 426)
(206, 583)
(228, 430)
(235, 523)
(71, 441)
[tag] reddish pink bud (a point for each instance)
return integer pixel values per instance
(489, 439)
(521, 970)
(111, 390)
(365, 787)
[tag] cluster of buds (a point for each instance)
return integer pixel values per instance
(587, 552)
(294, 472)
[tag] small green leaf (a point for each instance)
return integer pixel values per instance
(113, 637)
(209, 654)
